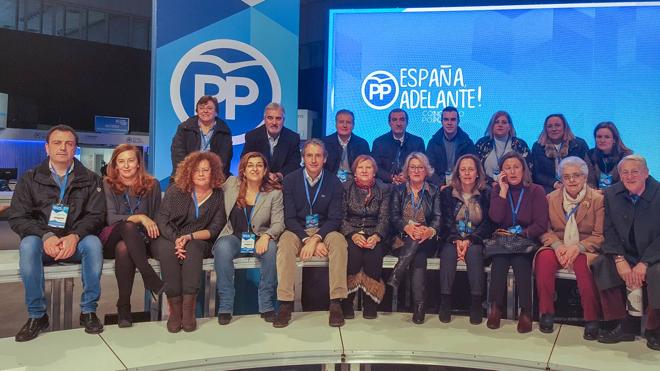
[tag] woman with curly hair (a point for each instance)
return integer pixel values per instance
(190, 218)
(132, 197)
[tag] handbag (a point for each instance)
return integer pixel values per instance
(505, 242)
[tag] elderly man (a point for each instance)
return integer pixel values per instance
(280, 145)
(631, 251)
(343, 146)
(57, 209)
(313, 217)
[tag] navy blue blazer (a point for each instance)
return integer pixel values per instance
(286, 156)
(327, 205)
(384, 152)
(356, 146)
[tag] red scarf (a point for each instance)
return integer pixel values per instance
(366, 186)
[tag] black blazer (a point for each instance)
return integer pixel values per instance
(450, 207)
(286, 155)
(432, 208)
(188, 140)
(356, 146)
(384, 152)
(544, 171)
(437, 155)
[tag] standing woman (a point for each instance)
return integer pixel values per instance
(603, 159)
(499, 138)
(519, 207)
(190, 218)
(572, 241)
(416, 219)
(253, 201)
(465, 206)
(555, 143)
(366, 205)
(132, 198)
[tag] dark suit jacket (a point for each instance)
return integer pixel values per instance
(384, 152)
(356, 146)
(188, 140)
(437, 155)
(286, 156)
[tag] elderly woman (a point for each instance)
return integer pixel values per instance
(256, 219)
(465, 206)
(499, 138)
(555, 143)
(602, 159)
(572, 241)
(132, 198)
(520, 208)
(416, 219)
(366, 205)
(190, 218)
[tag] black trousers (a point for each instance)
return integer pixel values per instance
(182, 276)
(522, 270)
(474, 259)
(369, 260)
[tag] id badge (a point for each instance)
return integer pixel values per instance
(312, 221)
(517, 229)
(604, 181)
(447, 177)
(247, 243)
(58, 215)
(342, 175)
(496, 173)
(464, 228)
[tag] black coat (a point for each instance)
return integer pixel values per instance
(544, 172)
(384, 151)
(356, 146)
(36, 192)
(176, 216)
(432, 208)
(188, 140)
(370, 218)
(437, 155)
(450, 207)
(286, 155)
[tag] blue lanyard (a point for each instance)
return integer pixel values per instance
(508, 138)
(568, 216)
(196, 204)
(514, 212)
(316, 195)
(206, 139)
(249, 217)
(61, 181)
(416, 208)
(132, 210)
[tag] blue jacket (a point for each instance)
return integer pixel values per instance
(356, 146)
(384, 152)
(437, 155)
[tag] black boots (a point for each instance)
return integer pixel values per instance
(406, 257)
(347, 306)
(418, 294)
(476, 310)
(444, 312)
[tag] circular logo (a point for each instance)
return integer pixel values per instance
(380, 90)
(238, 75)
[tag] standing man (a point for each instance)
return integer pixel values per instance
(313, 217)
(391, 149)
(343, 146)
(203, 132)
(57, 210)
(280, 145)
(446, 145)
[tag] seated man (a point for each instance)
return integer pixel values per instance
(343, 146)
(313, 216)
(57, 210)
(280, 145)
(631, 252)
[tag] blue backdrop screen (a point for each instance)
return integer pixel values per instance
(593, 63)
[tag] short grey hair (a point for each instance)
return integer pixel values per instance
(422, 158)
(315, 142)
(274, 106)
(574, 161)
(634, 157)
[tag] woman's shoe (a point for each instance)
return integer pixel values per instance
(124, 316)
(494, 317)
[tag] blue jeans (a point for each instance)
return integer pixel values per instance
(227, 248)
(32, 259)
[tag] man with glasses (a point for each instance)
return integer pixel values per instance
(631, 251)
(391, 149)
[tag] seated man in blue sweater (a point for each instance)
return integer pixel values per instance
(313, 216)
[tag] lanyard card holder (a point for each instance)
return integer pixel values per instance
(516, 229)
(248, 241)
(312, 221)
(58, 216)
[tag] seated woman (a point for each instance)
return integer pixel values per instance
(519, 207)
(500, 138)
(555, 143)
(465, 212)
(602, 159)
(190, 218)
(572, 241)
(416, 219)
(366, 205)
(132, 197)
(256, 219)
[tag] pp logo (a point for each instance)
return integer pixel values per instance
(238, 75)
(380, 90)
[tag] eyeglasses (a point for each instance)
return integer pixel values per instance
(569, 177)
(633, 173)
(416, 168)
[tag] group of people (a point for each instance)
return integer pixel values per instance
(558, 206)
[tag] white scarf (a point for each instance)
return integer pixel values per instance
(571, 232)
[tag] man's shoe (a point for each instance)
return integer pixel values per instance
(283, 315)
(91, 323)
(31, 328)
(268, 316)
(615, 335)
(547, 323)
(419, 312)
(336, 318)
(653, 341)
(494, 317)
(524, 322)
(591, 329)
(224, 318)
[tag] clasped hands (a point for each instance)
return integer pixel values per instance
(418, 232)
(61, 248)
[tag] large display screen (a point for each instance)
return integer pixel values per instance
(592, 62)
